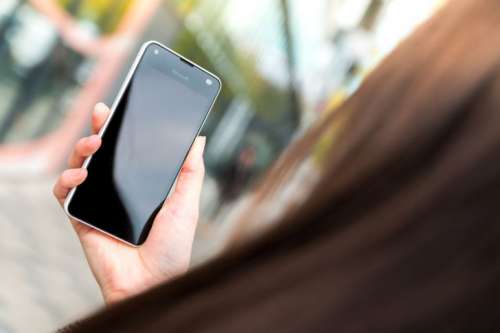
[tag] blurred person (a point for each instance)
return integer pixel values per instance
(399, 232)
(49, 45)
(238, 173)
(83, 38)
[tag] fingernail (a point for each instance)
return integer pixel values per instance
(76, 174)
(101, 107)
(93, 139)
(81, 175)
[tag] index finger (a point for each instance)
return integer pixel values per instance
(99, 116)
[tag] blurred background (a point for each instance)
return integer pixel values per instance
(283, 64)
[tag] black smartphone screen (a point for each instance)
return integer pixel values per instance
(144, 145)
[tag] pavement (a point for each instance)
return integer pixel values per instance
(45, 282)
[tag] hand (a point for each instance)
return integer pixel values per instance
(121, 270)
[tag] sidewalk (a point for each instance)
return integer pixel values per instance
(44, 280)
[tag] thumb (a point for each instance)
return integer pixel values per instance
(190, 181)
(175, 224)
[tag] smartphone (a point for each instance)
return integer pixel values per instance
(158, 113)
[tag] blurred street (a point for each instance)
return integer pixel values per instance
(45, 280)
(44, 274)
(283, 63)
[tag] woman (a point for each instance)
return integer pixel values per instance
(399, 234)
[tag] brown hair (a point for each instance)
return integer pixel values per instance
(399, 235)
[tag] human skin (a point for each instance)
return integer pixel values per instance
(80, 40)
(121, 270)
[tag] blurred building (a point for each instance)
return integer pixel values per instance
(283, 64)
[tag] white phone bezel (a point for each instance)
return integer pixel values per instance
(118, 98)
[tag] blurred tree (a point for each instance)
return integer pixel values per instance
(372, 13)
(274, 110)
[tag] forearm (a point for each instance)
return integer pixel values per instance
(51, 9)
